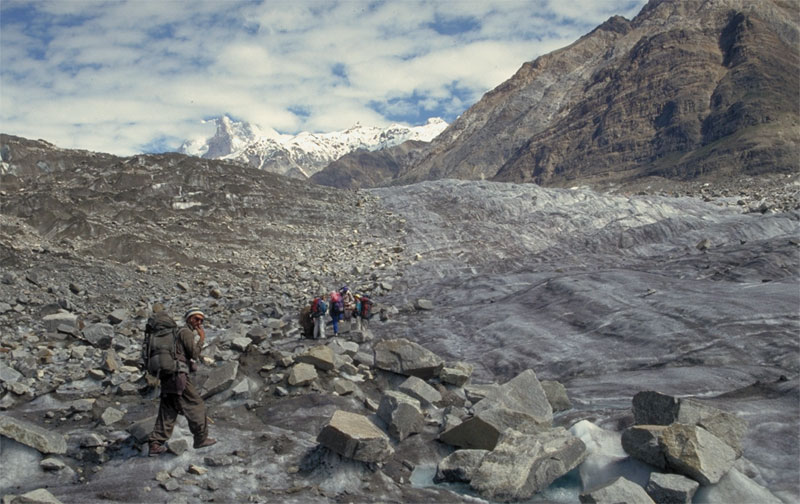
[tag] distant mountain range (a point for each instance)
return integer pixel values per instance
(303, 154)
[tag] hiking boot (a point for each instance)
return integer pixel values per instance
(206, 442)
(157, 449)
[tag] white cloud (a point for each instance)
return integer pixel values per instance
(114, 76)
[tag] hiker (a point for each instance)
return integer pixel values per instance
(336, 310)
(349, 302)
(318, 310)
(306, 322)
(178, 393)
(363, 311)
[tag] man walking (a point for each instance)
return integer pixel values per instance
(178, 393)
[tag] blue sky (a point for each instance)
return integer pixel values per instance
(142, 75)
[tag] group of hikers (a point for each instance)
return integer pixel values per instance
(171, 353)
(341, 305)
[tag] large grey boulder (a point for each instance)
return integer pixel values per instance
(459, 466)
(99, 335)
(219, 378)
(9, 374)
(54, 320)
(556, 395)
(736, 487)
(354, 436)
(456, 373)
(407, 358)
(420, 389)
(402, 414)
(523, 393)
(321, 357)
(654, 408)
(643, 442)
(524, 464)
(482, 431)
(38, 496)
(695, 452)
(302, 374)
(671, 488)
(618, 491)
(29, 434)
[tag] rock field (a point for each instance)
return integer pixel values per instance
(523, 325)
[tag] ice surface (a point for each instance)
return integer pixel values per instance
(610, 295)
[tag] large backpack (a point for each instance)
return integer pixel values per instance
(318, 307)
(366, 308)
(337, 305)
(159, 351)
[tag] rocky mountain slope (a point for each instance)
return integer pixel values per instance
(686, 89)
(487, 293)
(304, 154)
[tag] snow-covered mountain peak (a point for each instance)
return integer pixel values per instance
(303, 154)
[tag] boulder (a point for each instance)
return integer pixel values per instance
(9, 374)
(402, 414)
(45, 440)
(141, 429)
(423, 304)
(407, 358)
(340, 346)
(654, 408)
(671, 488)
(522, 393)
(112, 415)
(321, 357)
(99, 335)
(695, 452)
(459, 466)
(619, 490)
(354, 436)
(556, 395)
(302, 374)
(241, 343)
(482, 431)
(736, 487)
(118, 316)
(524, 464)
(178, 446)
(420, 389)
(257, 334)
(642, 442)
(456, 373)
(219, 379)
(52, 321)
(39, 496)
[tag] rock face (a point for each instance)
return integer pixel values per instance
(664, 94)
(354, 436)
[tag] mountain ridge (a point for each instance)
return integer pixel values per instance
(304, 154)
(685, 89)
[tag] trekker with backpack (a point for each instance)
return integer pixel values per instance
(169, 353)
(349, 302)
(364, 311)
(336, 310)
(318, 310)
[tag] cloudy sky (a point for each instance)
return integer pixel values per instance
(141, 75)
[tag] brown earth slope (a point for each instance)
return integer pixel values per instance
(688, 88)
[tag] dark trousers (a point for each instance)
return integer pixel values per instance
(189, 404)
